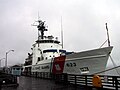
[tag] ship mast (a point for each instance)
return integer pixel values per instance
(107, 35)
(61, 32)
(108, 39)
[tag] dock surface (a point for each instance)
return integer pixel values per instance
(31, 83)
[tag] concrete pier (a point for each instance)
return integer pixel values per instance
(31, 83)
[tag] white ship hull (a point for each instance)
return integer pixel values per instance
(87, 62)
(48, 55)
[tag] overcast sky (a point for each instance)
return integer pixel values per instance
(83, 25)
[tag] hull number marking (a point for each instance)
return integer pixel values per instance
(71, 64)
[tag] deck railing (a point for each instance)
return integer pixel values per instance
(108, 82)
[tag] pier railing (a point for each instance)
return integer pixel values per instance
(108, 82)
(7, 80)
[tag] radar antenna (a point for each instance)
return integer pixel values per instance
(41, 28)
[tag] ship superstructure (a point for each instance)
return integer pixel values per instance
(46, 47)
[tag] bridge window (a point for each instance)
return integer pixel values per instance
(50, 50)
(48, 41)
(63, 51)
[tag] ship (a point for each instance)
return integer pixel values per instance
(48, 55)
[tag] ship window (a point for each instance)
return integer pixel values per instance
(63, 51)
(48, 41)
(50, 50)
(38, 58)
(46, 58)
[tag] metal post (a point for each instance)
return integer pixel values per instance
(86, 80)
(116, 83)
(6, 59)
(75, 80)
